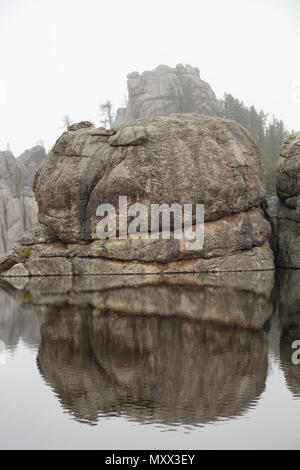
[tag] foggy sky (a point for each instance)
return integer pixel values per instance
(67, 56)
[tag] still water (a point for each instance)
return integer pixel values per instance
(157, 362)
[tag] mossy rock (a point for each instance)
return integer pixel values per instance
(27, 297)
(26, 254)
(75, 271)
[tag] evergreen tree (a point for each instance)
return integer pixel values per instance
(268, 136)
(275, 134)
(270, 181)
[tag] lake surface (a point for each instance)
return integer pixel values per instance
(150, 362)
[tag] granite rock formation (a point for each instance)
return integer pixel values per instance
(184, 159)
(167, 90)
(18, 208)
(284, 211)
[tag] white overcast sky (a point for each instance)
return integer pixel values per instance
(62, 57)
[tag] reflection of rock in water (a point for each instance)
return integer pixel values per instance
(289, 311)
(241, 299)
(18, 321)
(167, 370)
(135, 345)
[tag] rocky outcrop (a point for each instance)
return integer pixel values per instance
(167, 90)
(284, 211)
(182, 159)
(18, 208)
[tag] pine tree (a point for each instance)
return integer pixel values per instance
(275, 134)
(270, 181)
(268, 136)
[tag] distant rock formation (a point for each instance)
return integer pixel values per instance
(181, 158)
(167, 90)
(284, 211)
(18, 208)
(8, 172)
(29, 162)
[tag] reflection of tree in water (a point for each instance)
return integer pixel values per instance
(155, 369)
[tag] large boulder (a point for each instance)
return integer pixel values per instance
(183, 159)
(167, 90)
(288, 174)
(284, 211)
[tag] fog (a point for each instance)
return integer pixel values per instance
(67, 56)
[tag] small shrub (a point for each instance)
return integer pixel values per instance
(26, 253)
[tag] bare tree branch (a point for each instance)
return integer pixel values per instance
(66, 120)
(107, 114)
